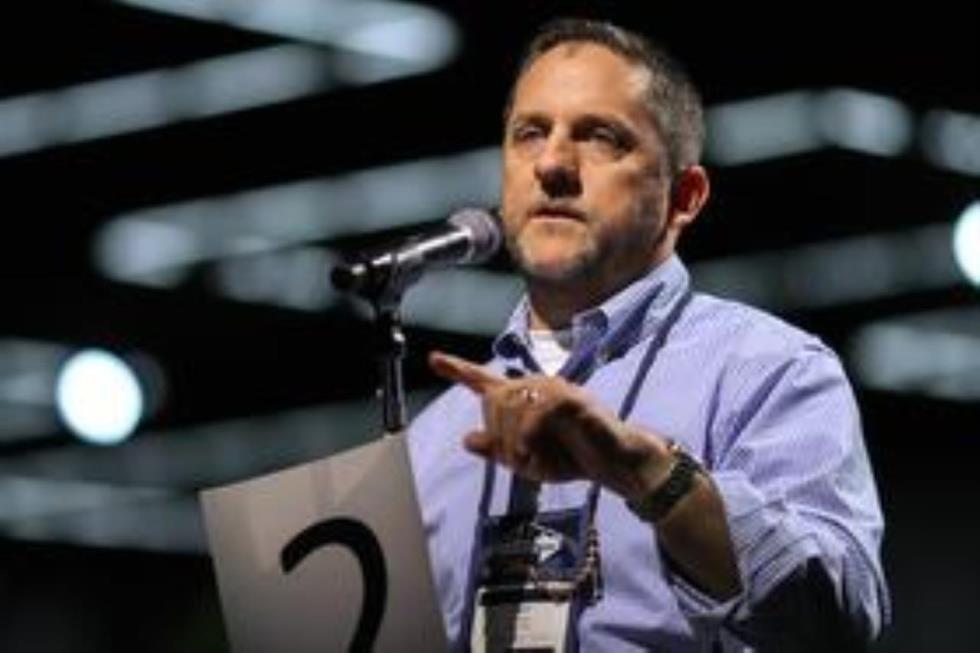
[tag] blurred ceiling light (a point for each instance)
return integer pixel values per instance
(152, 99)
(951, 140)
(471, 301)
(966, 243)
(146, 252)
(24, 497)
(28, 370)
(99, 397)
(836, 272)
(864, 122)
(933, 354)
(376, 41)
(419, 37)
(97, 514)
(156, 246)
(758, 129)
(220, 452)
(296, 278)
(20, 127)
(246, 80)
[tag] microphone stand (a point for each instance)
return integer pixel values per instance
(473, 236)
(391, 347)
(385, 295)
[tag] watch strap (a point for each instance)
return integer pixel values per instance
(655, 505)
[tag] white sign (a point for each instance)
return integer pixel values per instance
(326, 556)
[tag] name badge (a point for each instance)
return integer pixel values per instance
(523, 620)
(530, 582)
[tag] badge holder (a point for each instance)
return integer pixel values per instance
(537, 573)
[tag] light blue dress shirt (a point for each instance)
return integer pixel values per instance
(767, 410)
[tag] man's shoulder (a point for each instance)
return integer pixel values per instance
(747, 332)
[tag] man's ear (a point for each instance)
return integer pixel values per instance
(689, 194)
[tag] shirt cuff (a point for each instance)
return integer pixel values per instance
(768, 545)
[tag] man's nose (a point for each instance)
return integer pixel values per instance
(557, 168)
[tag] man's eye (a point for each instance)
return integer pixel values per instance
(527, 132)
(608, 137)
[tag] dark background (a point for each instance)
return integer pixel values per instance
(225, 360)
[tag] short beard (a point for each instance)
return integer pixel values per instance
(571, 272)
(585, 269)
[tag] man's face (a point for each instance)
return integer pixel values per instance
(585, 195)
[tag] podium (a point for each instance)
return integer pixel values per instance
(326, 556)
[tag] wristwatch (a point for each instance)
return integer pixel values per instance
(656, 505)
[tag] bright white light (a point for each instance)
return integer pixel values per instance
(966, 243)
(864, 122)
(763, 128)
(99, 397)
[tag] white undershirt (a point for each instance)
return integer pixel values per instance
(551, 349)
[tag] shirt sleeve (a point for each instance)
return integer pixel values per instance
(802, 511)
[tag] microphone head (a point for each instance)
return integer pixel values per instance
(484, 230)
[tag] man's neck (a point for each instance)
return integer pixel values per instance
(553, 304)
(552, 309)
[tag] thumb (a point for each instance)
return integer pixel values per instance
(480, 443)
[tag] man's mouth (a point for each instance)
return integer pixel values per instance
(557, 212)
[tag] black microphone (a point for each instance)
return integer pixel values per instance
(469, 236)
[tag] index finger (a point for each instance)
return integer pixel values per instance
(475, 377)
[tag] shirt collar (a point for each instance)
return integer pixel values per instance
(631, 314)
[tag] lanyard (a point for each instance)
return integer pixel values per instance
(523, 491)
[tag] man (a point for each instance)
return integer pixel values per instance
(708, 457)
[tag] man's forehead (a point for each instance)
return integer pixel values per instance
(581, 71)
